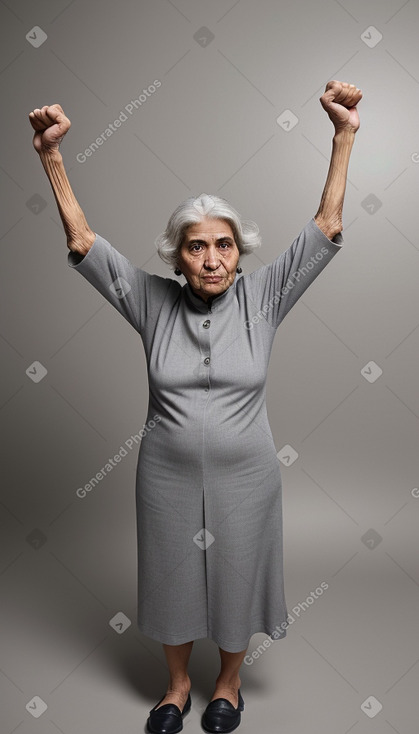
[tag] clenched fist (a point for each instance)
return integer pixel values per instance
(50, 125)
(340, 100)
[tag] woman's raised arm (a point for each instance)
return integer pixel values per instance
(339, 100)
(50, 125)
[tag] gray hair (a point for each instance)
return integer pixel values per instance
(192, 211)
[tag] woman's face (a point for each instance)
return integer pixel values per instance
(208, 257)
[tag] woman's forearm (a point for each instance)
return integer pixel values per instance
(79, 235)
(329, 214)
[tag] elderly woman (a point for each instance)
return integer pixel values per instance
(208, 483)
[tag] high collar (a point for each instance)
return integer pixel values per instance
(214, 303)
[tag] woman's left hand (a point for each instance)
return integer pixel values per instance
(340, 100)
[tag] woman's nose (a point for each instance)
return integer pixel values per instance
(211, 260)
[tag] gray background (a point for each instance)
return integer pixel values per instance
(68, 565)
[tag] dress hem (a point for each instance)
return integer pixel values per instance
(201, 633)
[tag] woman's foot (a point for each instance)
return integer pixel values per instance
(223, 715)
(230, 691)
(177, 693)
(166, 717)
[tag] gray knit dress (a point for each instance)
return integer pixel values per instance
(208, 480)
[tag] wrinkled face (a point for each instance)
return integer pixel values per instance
(208, 257)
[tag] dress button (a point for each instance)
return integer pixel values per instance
(206, 324)
(206, 360)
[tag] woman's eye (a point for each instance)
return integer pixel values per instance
(197, 247)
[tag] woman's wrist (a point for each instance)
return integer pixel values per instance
(50, 155)
(344, 137)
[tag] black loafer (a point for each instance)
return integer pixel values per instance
(221, 716)
(168, 718)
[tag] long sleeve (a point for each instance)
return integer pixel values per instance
(136, 294)
(276, 287)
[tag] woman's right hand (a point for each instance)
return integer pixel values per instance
(50, 125)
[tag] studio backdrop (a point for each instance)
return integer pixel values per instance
(169, 100)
